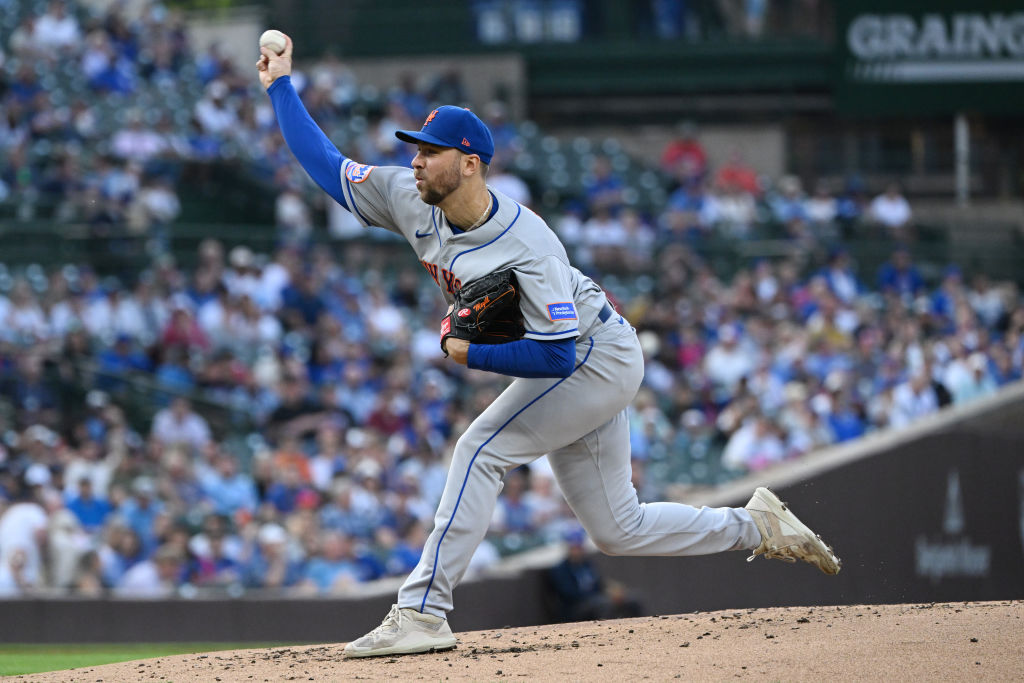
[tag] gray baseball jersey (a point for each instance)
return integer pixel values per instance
(555, 297)
(580, 420)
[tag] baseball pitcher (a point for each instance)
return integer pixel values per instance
(519, 308)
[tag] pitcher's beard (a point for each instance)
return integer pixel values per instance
(445, 185)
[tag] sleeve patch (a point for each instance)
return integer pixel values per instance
(562, 311)
(357, 173)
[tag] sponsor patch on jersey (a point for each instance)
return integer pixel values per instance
(357, 173)
(562, 311)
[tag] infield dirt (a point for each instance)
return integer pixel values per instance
(934, 642)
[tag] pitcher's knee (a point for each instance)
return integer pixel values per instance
(465, 449)
(470, 452)
(611, 542)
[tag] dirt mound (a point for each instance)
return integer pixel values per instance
(948, 641)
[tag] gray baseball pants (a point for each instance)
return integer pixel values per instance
(581, 421)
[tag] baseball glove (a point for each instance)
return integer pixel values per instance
(486, 311)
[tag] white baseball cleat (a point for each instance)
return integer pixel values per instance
(784, 537)
(404, 631)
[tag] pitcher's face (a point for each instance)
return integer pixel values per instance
(438, 172)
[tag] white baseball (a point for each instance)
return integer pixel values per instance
(273, 40)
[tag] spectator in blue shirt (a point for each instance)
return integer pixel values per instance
(335, 568)
(1001, 365)
(141, 510)
(900, 276)
(91, 511)
(604, 188)
(841, 278)
(215, 566)
(342, 514)
(503, 130)
(851, 203)
(302, 304)
(945, 298)
(846, 419)
(513, 513)
(122, 358)
(289, 492)
(25, 84)
(226, 489)
(689, 213)
(122, 551)
(271, 564)
(404, 552)
(409, 97)
(789, 207)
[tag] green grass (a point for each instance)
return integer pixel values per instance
(33, 658)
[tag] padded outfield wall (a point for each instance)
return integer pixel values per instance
(932, 513)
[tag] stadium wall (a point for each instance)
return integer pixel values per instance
(932, 513)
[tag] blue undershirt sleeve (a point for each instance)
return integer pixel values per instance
(525, 358)
(311, 147)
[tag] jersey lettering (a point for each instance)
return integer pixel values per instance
(452, 283)
(432, 269)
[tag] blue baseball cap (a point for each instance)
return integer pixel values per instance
(456, 127)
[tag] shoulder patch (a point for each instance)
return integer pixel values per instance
(357, 173)
(562, 311)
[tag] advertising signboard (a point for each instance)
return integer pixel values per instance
(930, 58)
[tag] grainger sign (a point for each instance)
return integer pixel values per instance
(935, 57)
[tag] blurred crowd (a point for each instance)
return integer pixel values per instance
(76, 144)
(724, 204)
(352, 411)
(104, 111)
(324, 356)
(332, 369)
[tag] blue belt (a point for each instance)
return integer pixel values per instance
(606, 312)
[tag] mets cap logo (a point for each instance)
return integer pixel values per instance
(430, 117)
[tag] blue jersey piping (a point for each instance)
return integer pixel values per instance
(549, 334)
(519, 210)
(352, 198)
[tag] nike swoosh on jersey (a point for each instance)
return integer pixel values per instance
(428, 233)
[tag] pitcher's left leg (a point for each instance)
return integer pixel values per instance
(595, 475)
(505, 435)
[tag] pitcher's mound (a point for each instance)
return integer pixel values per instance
(935, 642)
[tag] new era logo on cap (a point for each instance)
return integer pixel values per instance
(456, 127)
